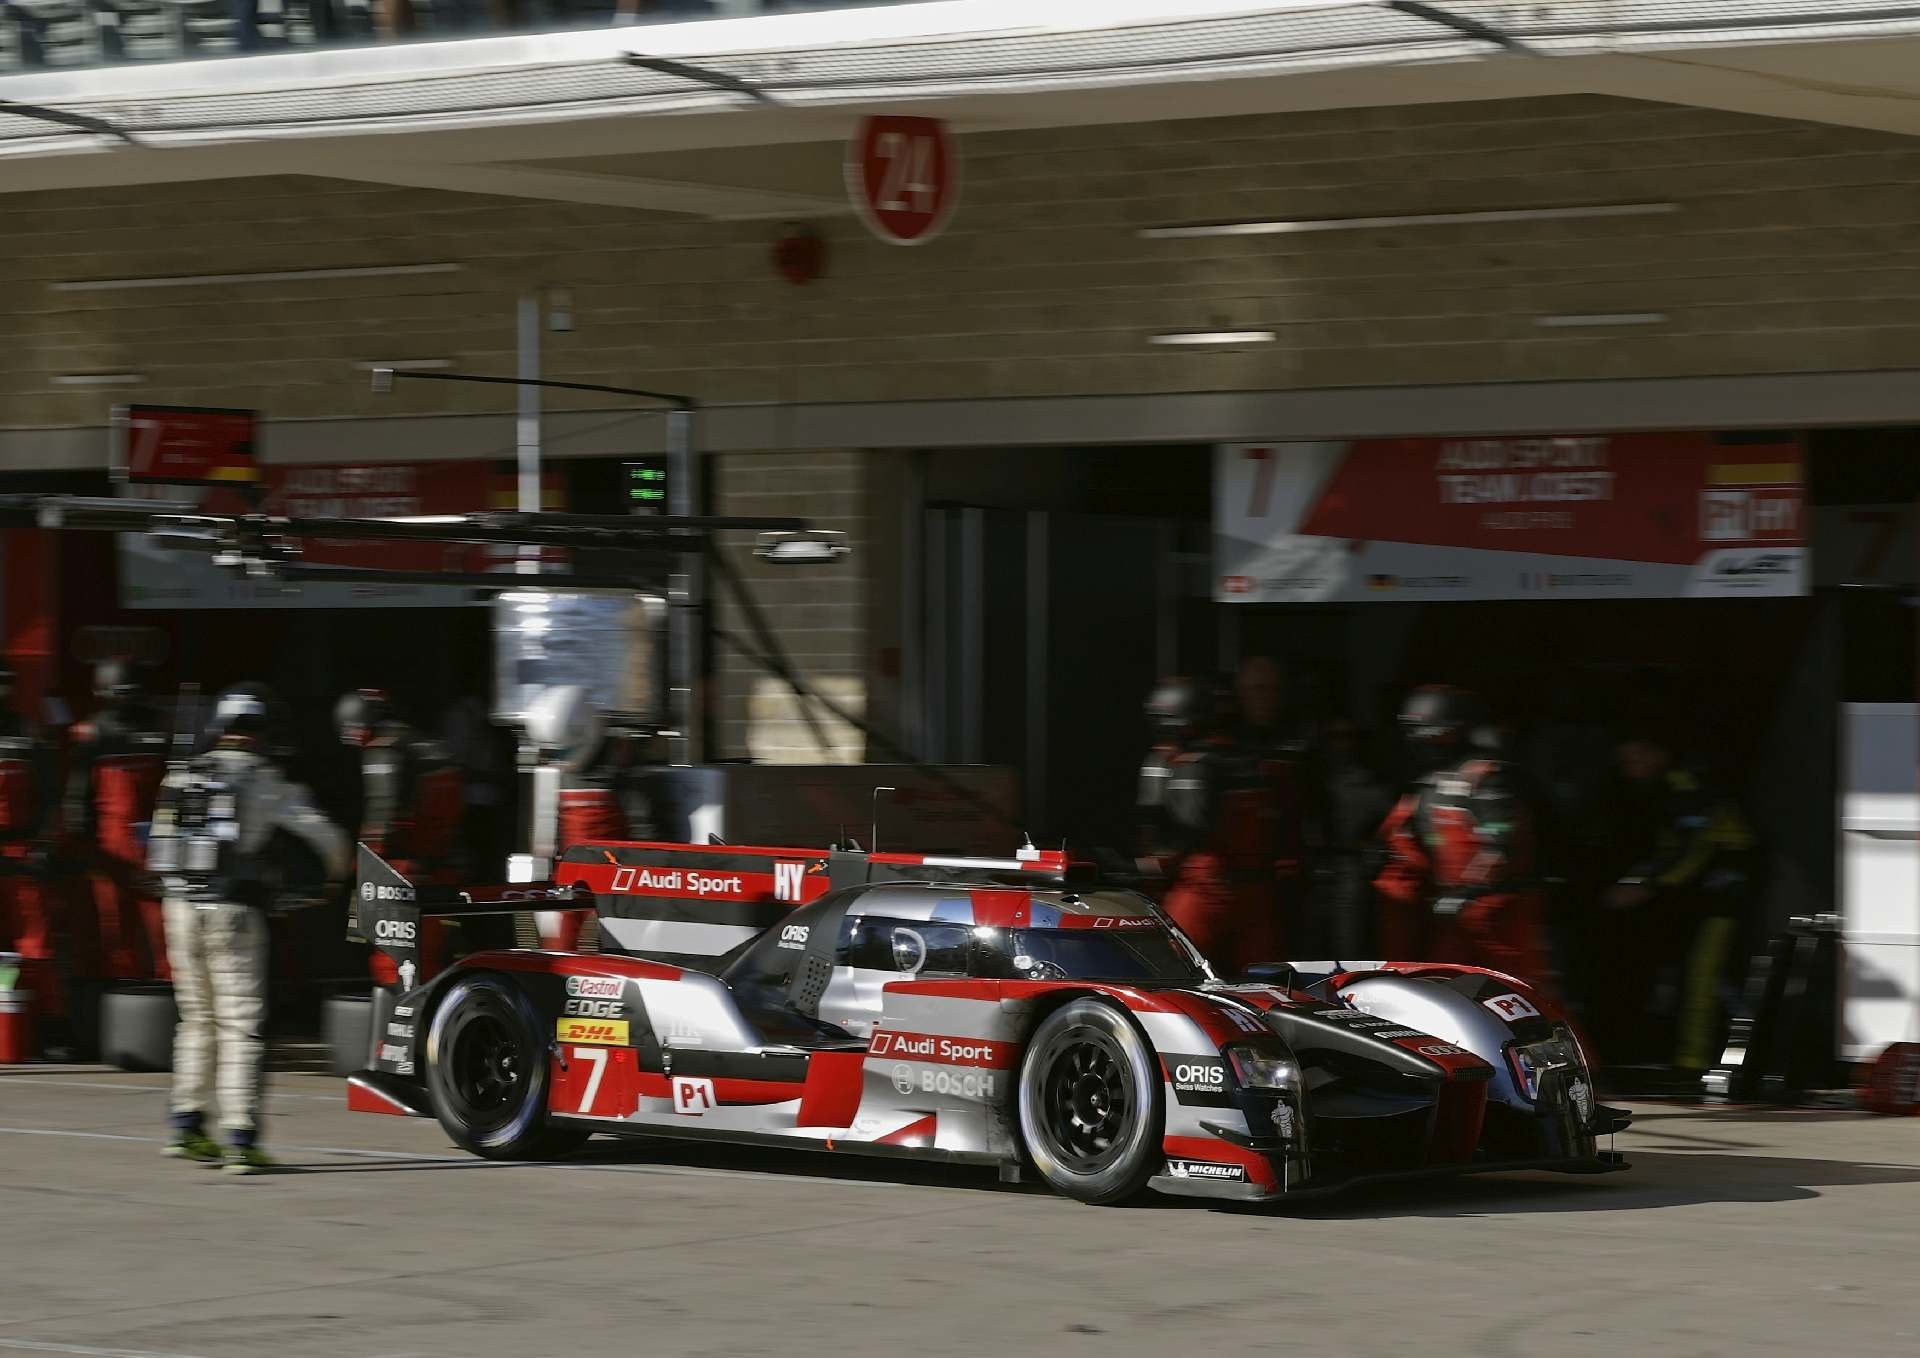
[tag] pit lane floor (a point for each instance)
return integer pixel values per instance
(1737, 1231)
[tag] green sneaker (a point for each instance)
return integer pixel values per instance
(248, 1160)
(194, 1146)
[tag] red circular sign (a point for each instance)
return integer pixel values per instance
(904, 176)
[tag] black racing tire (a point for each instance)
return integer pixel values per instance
(1092, 1104)
(487, 1072)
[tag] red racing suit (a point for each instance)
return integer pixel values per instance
(603, 801)
(29, 924)
(1216, 821)
(411, 805)
(115, 762)
(1458, 883)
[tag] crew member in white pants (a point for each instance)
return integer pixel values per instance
(224, 841)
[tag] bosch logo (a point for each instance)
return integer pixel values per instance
(366, 891)
(903, 1079)
(967, 1084)
(396, 930)
(372, 892)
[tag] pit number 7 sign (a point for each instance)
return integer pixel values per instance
(904, 176)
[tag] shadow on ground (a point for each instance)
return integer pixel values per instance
(1656, 1180)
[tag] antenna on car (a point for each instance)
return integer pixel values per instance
(874, 843)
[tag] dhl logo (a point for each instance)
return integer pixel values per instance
(593, 1032)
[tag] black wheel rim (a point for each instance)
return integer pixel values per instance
(1087, 1100)
(487, 1073)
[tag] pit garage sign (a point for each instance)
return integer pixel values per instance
(903, 174)
(1623, 516)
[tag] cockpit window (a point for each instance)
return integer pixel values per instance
(1143, 952)
(909, 947)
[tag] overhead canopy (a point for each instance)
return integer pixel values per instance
(504, 115)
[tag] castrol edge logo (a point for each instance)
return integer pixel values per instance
(595, 987)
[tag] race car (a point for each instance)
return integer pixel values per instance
(1015, 1012)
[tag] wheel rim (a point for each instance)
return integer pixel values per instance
(1087, 1100)
(486, 1069)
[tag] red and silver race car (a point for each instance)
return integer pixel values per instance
(1000, 1012)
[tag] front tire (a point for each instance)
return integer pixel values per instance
(1091, 1103)
(487, 1073)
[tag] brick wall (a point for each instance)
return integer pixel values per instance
(1797, 249)
(818, 613)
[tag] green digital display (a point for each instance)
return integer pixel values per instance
(645, 484)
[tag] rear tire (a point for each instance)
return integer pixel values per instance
(1092, 1104)
(487, 1072)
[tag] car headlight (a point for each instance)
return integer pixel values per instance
(1261, 1068)
(1531, 1062)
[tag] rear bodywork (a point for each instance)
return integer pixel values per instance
(845, 1002)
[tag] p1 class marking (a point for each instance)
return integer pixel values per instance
(692, 1096)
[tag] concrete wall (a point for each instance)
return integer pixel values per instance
(1797, 248)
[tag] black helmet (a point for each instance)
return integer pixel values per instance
(358, 712)
(1440, 715)
(116, 680)
(249, 710)
(1179, 706)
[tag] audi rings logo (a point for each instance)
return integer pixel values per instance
(903, 1079)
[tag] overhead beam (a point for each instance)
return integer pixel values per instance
(717, 201)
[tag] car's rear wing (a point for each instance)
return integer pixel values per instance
(692, 904)
(386, 909)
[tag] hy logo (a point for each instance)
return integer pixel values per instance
(787, 878)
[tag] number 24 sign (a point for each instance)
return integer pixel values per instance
(903, 175)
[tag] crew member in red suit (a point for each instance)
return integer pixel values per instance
(115, 761)
(27, 795)
(410, 808)
(1458, 885)
(600, 797)
(1210, 821)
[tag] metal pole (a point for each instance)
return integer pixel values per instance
(527, 426)
(686, 593)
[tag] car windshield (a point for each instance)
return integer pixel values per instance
(1141, 951)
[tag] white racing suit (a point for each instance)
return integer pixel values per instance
(216, 921)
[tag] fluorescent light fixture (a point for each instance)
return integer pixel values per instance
(278, 276)
(1202, 337)
(1523, 214)
(1600, 318)
(98, 379)
(404, 364)
(812, 548)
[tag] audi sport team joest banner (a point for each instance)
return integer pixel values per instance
(1647, 516)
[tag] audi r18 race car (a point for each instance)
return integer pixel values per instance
(1003, 1012)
